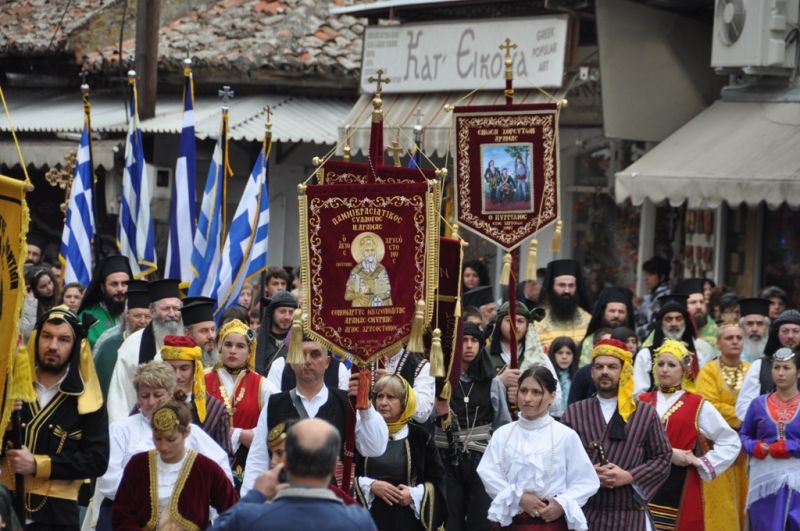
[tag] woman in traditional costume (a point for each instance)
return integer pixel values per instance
(154, 383)
(181, 483)
(686, 416)
(535, 469)
(403, 488)
(243, 391)
(771, 436)
(719, 382)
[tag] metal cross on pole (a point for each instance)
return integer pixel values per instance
(226, 94)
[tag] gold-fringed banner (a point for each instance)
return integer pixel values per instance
(369, 256)
(507, 170)
(13, 250)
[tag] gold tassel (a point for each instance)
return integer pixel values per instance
(457, 309)
(447, 391)
(22, 382)
(295, 354)
(530, 269)
(505, 274)
(415, 343)
(437, 355)
(555, 245)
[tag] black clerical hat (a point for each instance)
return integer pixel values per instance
(691, 285)
(562, 267)
(478, 297)
(199, 298)
(164, 289)
(114, 264)
(754, 306)
(197, 312)
(34, 238)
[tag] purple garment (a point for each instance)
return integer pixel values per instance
(778, 512)
(759, 426)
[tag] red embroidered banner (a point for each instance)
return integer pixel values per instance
(346, 172)
(444, 317)
(507, 170)
(366, 252)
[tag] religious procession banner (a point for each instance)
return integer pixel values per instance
(447, 314)
(13, 250)
(507, 170)
(345, 172)
(369, 257)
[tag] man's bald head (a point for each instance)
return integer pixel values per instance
(312, 448)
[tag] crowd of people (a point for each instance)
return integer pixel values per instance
(676, 410)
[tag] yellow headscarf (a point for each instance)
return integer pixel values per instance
(182, 348)
(626, 404)
(685, 358)
(409, 401)
(238, 327)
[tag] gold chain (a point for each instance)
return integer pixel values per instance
(732, 376)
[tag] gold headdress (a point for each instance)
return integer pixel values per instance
(238, 327)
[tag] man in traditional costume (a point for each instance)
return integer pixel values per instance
(624, 440)
(785, 332)
(312, 398)
(64, 431)
(492, 177)
(614, 308)
(755, 323)
(719, 382)
(197, 314)
(696, 305)
(104, 299)
(207, 411)
(142, 346)
(476, 408)
(135, 317)
(566, 303)
(529, 351)
(276, 321)
(243, 392)
(686, 416)
(674, 322)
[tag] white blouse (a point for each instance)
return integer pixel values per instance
(713, 427)
(540, 456)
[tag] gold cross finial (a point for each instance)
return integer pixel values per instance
(379, 81)
(508, 46)
(396, 152)
(269, 118)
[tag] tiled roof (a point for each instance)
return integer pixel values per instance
(279, 37)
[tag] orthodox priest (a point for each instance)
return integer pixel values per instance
(64, 431)
(136, 317)
(624, 440)
(142, 346)
(104, 300)
(566, 303)
(614, 308)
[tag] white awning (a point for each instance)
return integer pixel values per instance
(737, 152)
(39, 153)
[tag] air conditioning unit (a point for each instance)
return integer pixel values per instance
(752, 35)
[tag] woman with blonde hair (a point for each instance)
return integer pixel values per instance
(403, 488)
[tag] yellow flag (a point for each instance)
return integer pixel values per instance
(13, 250)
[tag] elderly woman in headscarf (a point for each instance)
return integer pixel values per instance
(403, 488)
(686, 416)
(243, 391)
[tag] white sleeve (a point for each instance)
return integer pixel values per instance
(556, 408)
(751, 388)
(417, 492)
(705, 352)
(236, 434)
(372, 434)
(108, 483)
(582, 482)
(258, 456)
(121, 393)
(425, 389)
(726, 442)
(344, 377)
(275, 374)
(365, 484)
(641, 372)
(505, 496)
(202, 442)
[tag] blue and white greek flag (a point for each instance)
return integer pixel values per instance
(135, 235)
(183, 204)
(206, 251)
(75, 253)
(245, 252)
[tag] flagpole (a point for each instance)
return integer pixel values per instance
(226, 93)
(87, 118)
